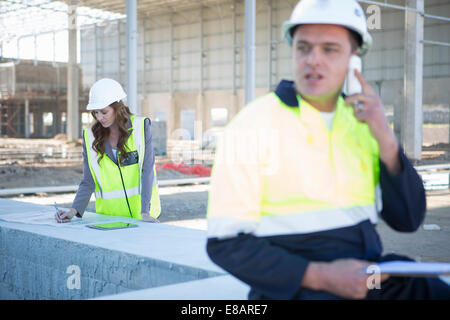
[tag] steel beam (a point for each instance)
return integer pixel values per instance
(73, 130)
(270, 39)
(250, 74)
(233, 21)
(412, 119)
(132, 37)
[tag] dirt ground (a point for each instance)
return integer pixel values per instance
(42, 175)
(431, 241)
(56, 162)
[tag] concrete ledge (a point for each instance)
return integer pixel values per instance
(215, 288)
(36, 258)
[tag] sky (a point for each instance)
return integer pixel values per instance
(37, 29)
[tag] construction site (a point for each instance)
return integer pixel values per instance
(190, 67)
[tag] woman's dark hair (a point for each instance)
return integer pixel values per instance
(122, 114)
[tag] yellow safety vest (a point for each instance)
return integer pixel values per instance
(118, 187)
(280, 171)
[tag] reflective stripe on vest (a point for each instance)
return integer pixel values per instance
(293, 223)
(120, 193)
(117, 193)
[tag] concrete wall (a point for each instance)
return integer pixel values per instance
(174, 42)
(181, 67)
(35, 258)
(34, 266)
(192, 100)
(434, 92)
(385, 60)
(383, 66)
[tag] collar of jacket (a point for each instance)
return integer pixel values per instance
(287, 93)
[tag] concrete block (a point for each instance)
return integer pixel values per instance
(225, 288)
(37, 260)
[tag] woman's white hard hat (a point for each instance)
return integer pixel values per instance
(104, 92)
(346, 13)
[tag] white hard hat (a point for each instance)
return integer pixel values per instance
(346, 13)
(104, 92)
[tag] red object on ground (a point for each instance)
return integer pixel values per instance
(197, 169)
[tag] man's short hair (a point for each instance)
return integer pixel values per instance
(356, 40)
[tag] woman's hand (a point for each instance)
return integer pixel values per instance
(146, 217)
(65, 216)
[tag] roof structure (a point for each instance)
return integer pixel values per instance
(150, 6)
(27, 17)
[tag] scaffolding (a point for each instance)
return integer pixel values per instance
(33, 99)
(409, 119)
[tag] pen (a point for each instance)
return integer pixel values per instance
(57, 210)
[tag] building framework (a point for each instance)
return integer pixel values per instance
(190, 58)
(33, 99)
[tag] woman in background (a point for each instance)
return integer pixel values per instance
(118, 159)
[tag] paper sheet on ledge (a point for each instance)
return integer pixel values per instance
(46, 216)
(412, 268)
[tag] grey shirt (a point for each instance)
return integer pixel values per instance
(87, 185)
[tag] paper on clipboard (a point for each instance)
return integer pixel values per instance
(412, 268)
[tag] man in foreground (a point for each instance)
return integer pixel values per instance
(301, 174)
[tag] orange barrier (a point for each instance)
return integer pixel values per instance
(197, 169)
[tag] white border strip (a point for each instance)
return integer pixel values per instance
(74, 188)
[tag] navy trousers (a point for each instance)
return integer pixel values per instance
(394, 288)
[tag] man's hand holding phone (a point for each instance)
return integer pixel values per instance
(368, 108)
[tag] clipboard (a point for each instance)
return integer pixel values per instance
(411, 269)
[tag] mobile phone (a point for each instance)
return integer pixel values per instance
(112, 226)
(352, 84)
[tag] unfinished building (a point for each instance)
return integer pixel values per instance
(190, 60)
(33, 98)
